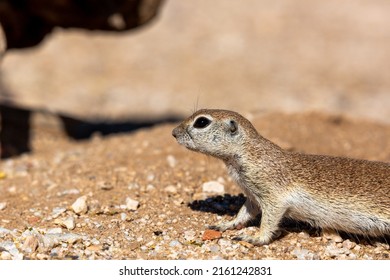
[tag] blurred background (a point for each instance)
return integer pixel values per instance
(250, 56)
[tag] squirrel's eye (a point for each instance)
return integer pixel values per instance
(202, 122)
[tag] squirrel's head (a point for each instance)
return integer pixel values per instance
(219, 133)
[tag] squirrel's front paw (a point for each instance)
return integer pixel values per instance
(257, 241)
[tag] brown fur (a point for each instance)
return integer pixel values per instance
(333, 193)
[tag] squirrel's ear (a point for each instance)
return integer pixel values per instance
(233, 127)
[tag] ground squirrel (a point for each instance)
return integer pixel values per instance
(334, 193)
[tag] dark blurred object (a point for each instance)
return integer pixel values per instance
(15, 131)
(27, 22)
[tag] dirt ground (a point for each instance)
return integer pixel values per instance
(313, 76)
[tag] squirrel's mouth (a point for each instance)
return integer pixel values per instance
(187, 141)
(184, 139)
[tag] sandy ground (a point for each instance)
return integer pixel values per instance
(313, 76)
(172, 209)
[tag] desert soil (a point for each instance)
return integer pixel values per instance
(313, 78)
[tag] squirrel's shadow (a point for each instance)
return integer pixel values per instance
(230, 205)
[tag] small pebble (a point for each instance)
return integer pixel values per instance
(10, 247)
(199, 196)
(57, 211)
(30, 244)
(246, 244)
(131, 204)
(213, 187)
(67, 192)
(349, 244)
(214, 248)
(174, 243)
(357, 247)
(210, 234)
(3, 205)
(54, 239)
(4, 231)
(189, 235)
(69, 223)
(171, 189)
(150, 187)
(332, 236)
(228, 243)
(221, 180)
(352, 256)
(105, 186)
(5, 255)
(150, 177)
(54, 231)
(80, 205)
(94, 248)
(133, 186)
(171, 161)
(301, 254)
(134, 245)
(334, 251)
(41, 256)
(303, 235)
(12, 190)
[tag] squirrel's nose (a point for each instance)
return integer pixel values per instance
(174, 132)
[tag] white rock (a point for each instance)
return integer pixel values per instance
(30, 244)
(80, 205)
(54, 231)
(150, 187)
(225, 243)
(303, 235)
(51, 240)
(4, 231)
(69, 223)
(3, 205)
(330, 235)
(171, 161)
(57, 211)
(213, 187)
(12, 189)
(5, 255)
(10, 247)
(334, 251)
(67, 192)
(301, 254)
(189, 235)
(150, 177)
(357, 248)
(30, 232)
(221, 180)
(174, 243)
(171, 189)
(349, 244)
(352, 256)
(133, 186)
(131, 204)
